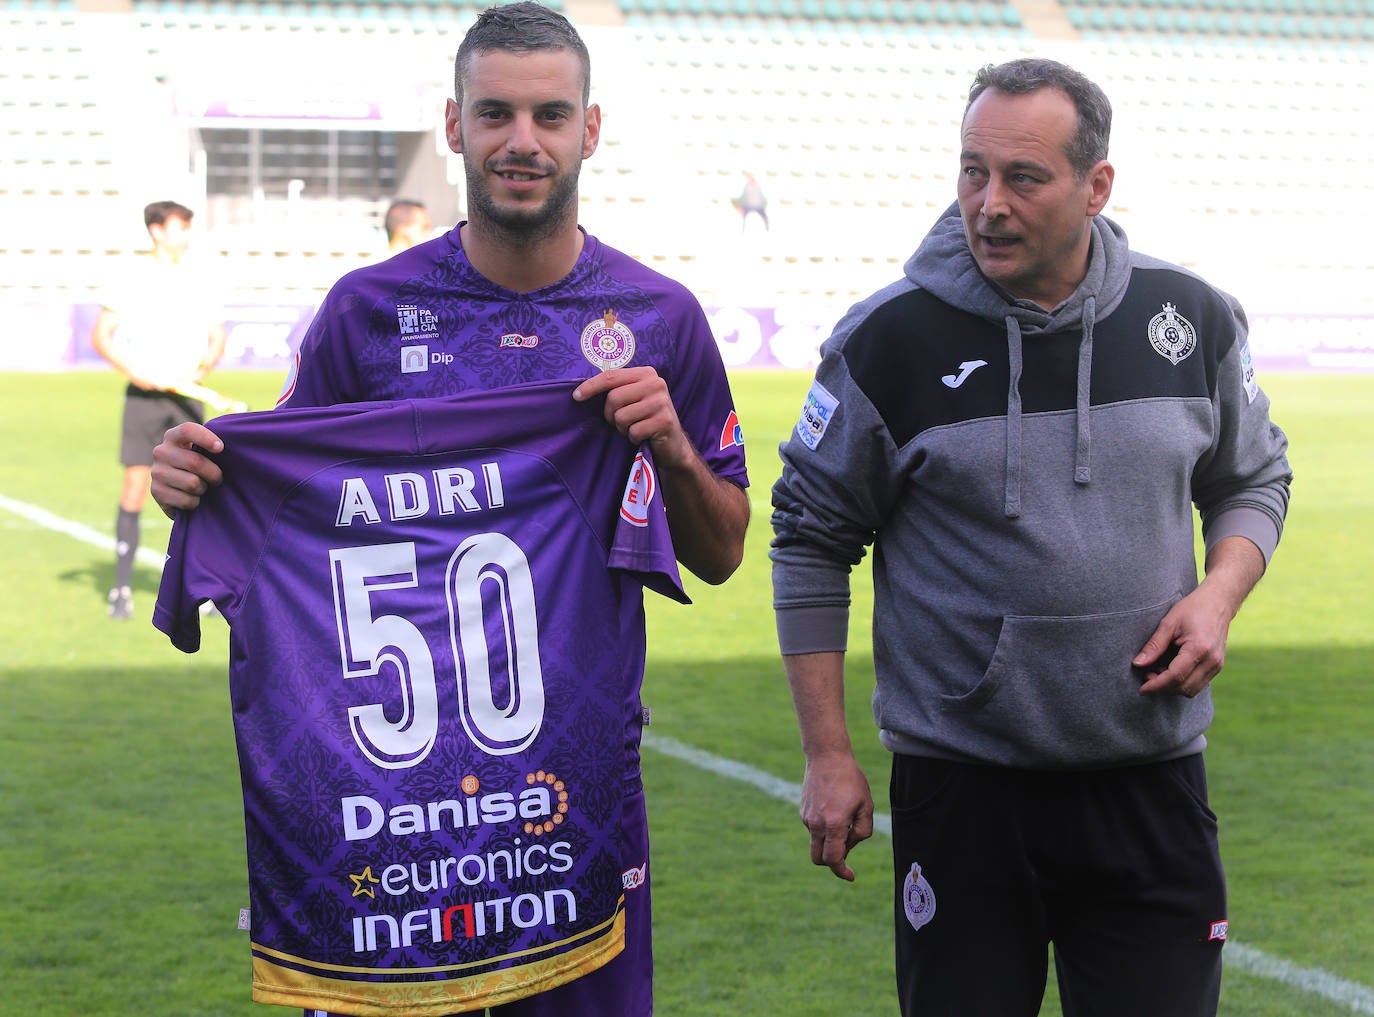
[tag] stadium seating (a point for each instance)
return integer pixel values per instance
(968, 16)
(1245, 160)
(1287, 23)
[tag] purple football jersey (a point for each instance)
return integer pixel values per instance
(426, 323)
(436, 635)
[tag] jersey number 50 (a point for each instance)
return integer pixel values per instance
(368, 641)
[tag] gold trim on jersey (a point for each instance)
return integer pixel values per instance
(286, 986)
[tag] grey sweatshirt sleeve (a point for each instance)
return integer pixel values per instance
(838, 480)
(1241, 486)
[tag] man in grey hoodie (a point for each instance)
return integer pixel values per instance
(1021, 427)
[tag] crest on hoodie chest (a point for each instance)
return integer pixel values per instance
(1172, 335)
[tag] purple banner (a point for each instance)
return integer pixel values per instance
(57, 336)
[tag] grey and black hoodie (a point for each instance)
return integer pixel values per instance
(1027, 479)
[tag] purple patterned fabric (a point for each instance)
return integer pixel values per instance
(426, 323)
(436, 653)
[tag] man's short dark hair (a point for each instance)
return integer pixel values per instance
(524, 27)
(159, 212)
(399, 214)
(1088, 146)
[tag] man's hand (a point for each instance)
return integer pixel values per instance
(837, 808)
(1188, 648)
(639, 407)
(707, 515)
(181, 474)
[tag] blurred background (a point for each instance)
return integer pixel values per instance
(1243, 142)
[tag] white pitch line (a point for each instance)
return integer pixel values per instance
(1352, 995)
(78, 531)
(1355, 997)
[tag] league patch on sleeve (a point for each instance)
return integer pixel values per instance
(815, 415)
(731, 434)
(289, 385)
(1247, 372)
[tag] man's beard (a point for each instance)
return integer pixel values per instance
(523, 223)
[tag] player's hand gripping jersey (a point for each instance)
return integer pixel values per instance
(436, 654)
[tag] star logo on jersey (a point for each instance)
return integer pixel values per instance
(731, 434)
(361, 881)
(607, 343)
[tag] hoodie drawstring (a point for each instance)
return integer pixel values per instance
(1082, 464)
(1013, 490)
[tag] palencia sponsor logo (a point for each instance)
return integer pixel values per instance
(364, 817)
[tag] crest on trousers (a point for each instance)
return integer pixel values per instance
(918, 899)
(1172, 335)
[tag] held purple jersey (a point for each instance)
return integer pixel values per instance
(426, 323)
(436, 636)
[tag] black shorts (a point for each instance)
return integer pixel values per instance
(147, 416)
(1119, 869)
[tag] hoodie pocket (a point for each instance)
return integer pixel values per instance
(1062, 691)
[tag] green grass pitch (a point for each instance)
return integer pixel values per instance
(121, 841)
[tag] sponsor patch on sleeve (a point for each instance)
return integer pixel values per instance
(1247, 372)
(815, 415)
(288, 387)
(639, 492)
(731, 434)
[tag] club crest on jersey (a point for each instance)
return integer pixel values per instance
(918, 899)
(731, 434)
(607, 343)
(639, 492)
(1172, 335)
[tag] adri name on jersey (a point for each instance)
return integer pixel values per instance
(443, 492)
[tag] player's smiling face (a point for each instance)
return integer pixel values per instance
(1026, 215)
(523, 132)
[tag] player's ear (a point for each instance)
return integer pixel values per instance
(591, 130)
(1100, 179)
(452, 129)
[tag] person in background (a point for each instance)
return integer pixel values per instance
(406, 223)
(159, 329)
(1021, 427)
(751, 201)
(521, 293)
